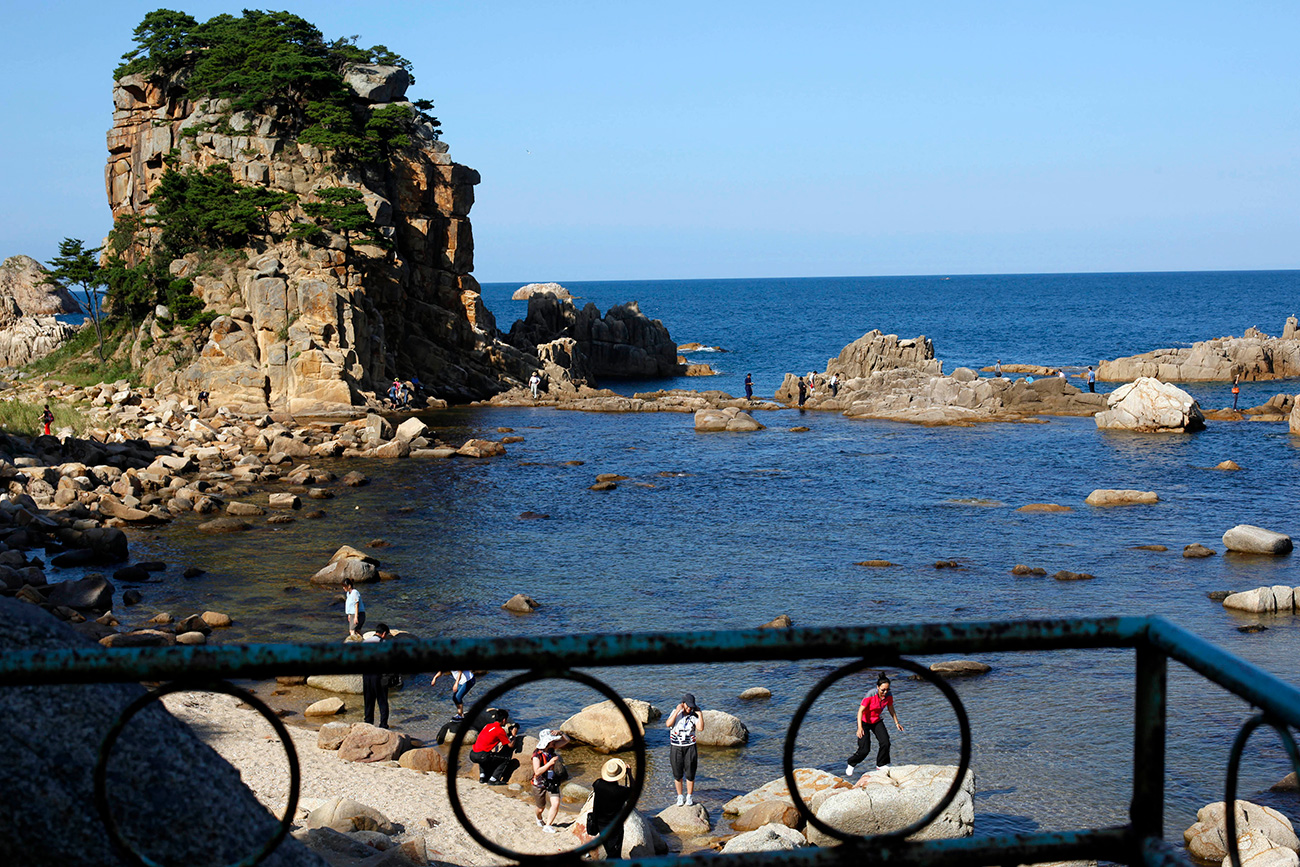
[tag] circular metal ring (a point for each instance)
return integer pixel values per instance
(963, 766)
(1234, 766)
(479, 707)
(106, 748)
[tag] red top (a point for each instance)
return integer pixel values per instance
(873, 707)
(491, 735)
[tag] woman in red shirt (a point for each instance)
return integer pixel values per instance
(870, 718)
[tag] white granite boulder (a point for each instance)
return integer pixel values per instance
(809, 780)
(1207, 839)
(602, 727)
(888, 800)
(1278, 599)
(769, 838)
(1249, 539)
(728, 419)
(1149, 405)
(685, 821)
(721, 729)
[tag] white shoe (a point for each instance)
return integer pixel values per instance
(540, 823)
(848, 770)
(681, 801)
(550, 829)
(689, 802)
(883, 768)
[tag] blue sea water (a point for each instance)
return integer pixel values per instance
(726, 531)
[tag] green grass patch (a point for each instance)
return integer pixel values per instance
(77, 361)
(24, 418)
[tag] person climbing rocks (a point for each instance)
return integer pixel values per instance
(870, 719)
(461, 683)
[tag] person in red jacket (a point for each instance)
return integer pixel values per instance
(871, 719)
(494, 749)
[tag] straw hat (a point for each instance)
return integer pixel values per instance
(614, 770)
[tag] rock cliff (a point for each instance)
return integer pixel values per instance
(28, 329)
(1253, 356)
(623, 344)
(314, 327)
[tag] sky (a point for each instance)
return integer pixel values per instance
(753, 139)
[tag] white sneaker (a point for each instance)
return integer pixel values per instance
(689, 802)
(681, 801)
(883, 768)
(848, 770)
(540, 823)
(550, 829)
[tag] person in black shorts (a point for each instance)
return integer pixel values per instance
(684, 723)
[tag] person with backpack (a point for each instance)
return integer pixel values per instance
(548, 774)
(47, 418)
(684, 724)
(870, 717)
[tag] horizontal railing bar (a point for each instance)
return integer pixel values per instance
(1009, 850)
(1255, 685)
(558, 652)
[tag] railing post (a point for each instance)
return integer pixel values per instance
(1147, 811)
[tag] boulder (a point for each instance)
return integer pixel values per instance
(780, 621)
(523, 293)
(411, 429)
(1207, 839)
(1149, 405)
(728, 419)
(768, 813)
(640, 837)
(1227, 465)
(216, 619)
(349, 684)
(809, 780)
(346, 563)
(756, 692)
(1044, 507)
(224, 525)
(1256, 850)
(191, 638)
(521, 603)
(774, 837)
(685, 821)
(481, 449)
(1196, 551)
(1117, 497)
(960, 668)
(721, 730)
(331, 735)
(1278, 599)
(885, 801)
(1249, 539)
(1289, 783)
(345, 815)
(602, 727)
(367, 743)
(243, 510)
(324, 707)
(284, 500)
(426, 759)
(376, 83)
(87, 594)
(22, 279)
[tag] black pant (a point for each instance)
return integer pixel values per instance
(864, 743)
(373, 690)
(614, 842)
(492, 765)
(1092, 388)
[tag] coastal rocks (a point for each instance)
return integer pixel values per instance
(1207, 839)
(481, 449)
(1121, 497)
(1151, 406)
(344, 683)
(768, 813)
(755, 692)
(425, 759)
(521, 603)
(769, 838)
(1253, 356)
(24, 339)
(960, 668)
(721, 729)
(1197, 551)
(809, 780)
(524, 293)
(875, 351)
(1249, 539)
(603, 728)
(887, 801)
(685, 821)
(331, 735)
(367, 743)
(1293, 420)
(22, 278)
(345, 815)
(1044, 507)
(348, 563)
(375, 83)
(1278, 599)
(729, 419)
(623, 344)
(1227, 465)
(325, 707)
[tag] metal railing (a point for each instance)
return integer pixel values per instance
(1154, 640)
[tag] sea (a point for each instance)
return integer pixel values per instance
(723, 531)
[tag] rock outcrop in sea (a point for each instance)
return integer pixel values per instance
(1253, 356)
(1152, 406)
(622, 344)
(28, 327)
(315, 326)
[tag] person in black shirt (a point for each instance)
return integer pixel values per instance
(610, 794)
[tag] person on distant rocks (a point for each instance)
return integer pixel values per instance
(1060, 373)
(749, 386)
(997, 368)
(353, 607)
(609, 794)
(803, 392)
(1236, 389)
(1092, 380)
(534, 383)
(870, 717)
(834, 383)
(393, 391)
(47, 418)
(684, 723)
(461, 683)
(374, 687)
(494, 749)
(548, 774)
(203, 399)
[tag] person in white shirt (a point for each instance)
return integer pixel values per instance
(684, 723)
(534, 382)
(353, 607)
(461, 682)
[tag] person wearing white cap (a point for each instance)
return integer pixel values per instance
(548, 773)
(609, 794)
(683, 724)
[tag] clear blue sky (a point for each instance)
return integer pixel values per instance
(673, 140)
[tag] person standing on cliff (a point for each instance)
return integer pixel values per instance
(1236, 389)
(870, 716)
(1092, 381)
(834, 383)
(803, 392)
(47, 418)
(353, 607)
(749, 386)
(534, 383)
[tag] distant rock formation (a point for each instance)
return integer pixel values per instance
(623, 344)
(1150, 405)
(299, 326)
(523, 293)
(874, 351)
(1254, 356)
(22, 279)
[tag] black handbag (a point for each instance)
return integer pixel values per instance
(390, 681)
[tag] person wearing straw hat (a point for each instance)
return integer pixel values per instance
(684, 723)
(609, 795)
(547, 777)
